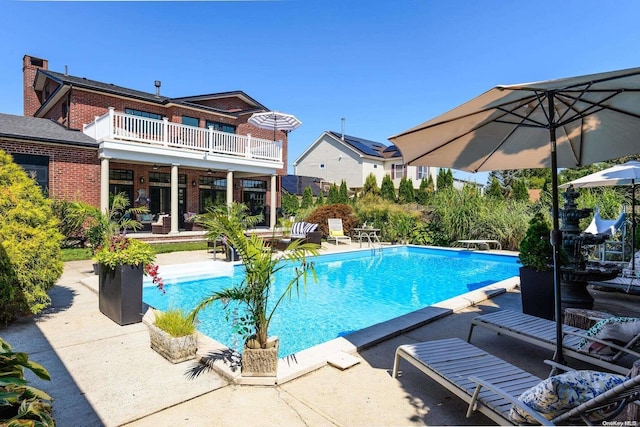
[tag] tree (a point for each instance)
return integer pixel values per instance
(370, 185)
(320, 198)
(444, 179)
(307, 198)
(405, 191)
(387, 190)
(334, 195)
(425, 191)
(520, 191)
(344, 193)
(494, 191)
(30, 261)
(290, 205)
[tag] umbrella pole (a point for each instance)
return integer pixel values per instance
(633, 226)
(556, 235)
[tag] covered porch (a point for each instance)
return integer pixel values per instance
(177, 169)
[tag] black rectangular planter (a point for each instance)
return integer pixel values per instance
(120, 293)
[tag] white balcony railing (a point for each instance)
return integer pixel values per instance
(125, 127)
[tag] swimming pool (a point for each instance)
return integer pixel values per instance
(354, 290)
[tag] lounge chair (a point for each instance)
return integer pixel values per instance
(492, 386)
(336, 232)
(542, 332)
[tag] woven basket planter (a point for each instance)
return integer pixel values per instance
(260, 362)
(175, 350)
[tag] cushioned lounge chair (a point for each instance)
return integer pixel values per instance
(492, 386)
(542, 332)
(336, 232)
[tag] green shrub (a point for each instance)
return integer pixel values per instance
(535, 249)
(21, 404)
(30, 261)
(176, 322)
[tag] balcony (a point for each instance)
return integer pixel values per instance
(117, 126)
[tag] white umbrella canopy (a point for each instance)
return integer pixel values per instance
(275, 120)
(567, 123)
(618, 175)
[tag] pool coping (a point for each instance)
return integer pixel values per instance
(214, 354)
(211, 353)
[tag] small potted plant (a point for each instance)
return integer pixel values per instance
(254, 292)
(122, 261)
(173, 335)
(536, 273)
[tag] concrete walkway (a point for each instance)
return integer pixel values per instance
(106, 374)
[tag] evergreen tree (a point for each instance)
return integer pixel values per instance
(405, 191)
(344, 193)
(425, 191)
(334, 195)
(444, 179)
(370, 185)
(320, 198)
(307, 198)
(387, 190)
(290, 204)
(494, 191)
(520, 192)
(30, 263)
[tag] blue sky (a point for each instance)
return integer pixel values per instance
(384, 66)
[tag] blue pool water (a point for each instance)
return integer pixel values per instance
(354, 290)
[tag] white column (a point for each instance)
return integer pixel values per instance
(229, 188)
(272, 210)
(174, 198)
(104, 184)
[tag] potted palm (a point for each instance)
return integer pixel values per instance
(254, 292)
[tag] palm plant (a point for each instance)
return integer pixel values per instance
(102, 226)
(255, 290)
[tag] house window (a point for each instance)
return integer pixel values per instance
(422, 172)
(190, 121)
(321, 165)
(121, 175)
(375, 166)
(37, 167)
(141, 113)
(397, 171)
(223, 127)
(253, 184)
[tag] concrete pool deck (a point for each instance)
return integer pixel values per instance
(106, 374)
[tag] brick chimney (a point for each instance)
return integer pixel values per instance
(30, 66)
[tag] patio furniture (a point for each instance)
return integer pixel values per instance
(306, 231)
(496, 388)
(481, 244)
(189, 223)
(542, 332)
(609, 228)
(336, 232)
(162, 226)
(146, 220)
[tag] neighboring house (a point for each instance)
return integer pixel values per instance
(85, 139)
(334, 157)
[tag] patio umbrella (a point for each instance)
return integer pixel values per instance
(567, 123)
(275, 120)
(617, 175)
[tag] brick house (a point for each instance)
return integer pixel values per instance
(83, 139)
